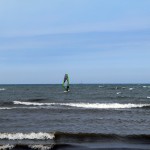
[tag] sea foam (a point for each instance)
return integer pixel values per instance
(32, 103)
(3, 147)
(1, 108)
(41, 147)
(30, 136)
(88, 105)
(2, 89)
(105, 105)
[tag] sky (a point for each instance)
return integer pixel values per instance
(94, 41)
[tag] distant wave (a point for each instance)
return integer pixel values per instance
(33, 103)
(7, 108)
(24, 136)
(146, 86)
(1, 108)
(118, 93)
(2, 89)
(86, 105)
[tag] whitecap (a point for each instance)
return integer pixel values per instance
(31, 136)
(87, 105)
(1, 108)
(3, 147)
(32, 103)
(2, 89)
(118, 93)
(39, 107)
(144, 86)
(100, 86)
(41, 147)
(105, 105)
(123, 87)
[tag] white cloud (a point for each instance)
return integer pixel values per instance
(131, 24)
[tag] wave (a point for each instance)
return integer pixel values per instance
(38, 147)
(2, 89)
(75, 147)
(40, 107)
(41, 147)
(118, 93)
(146, 86)
(24, 136)
(33, 103)
(60, 137)
(87, 105)
(1, 108)
(7, 147)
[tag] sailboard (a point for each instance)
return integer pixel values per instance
(66, 83)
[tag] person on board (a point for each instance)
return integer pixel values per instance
(66, 79)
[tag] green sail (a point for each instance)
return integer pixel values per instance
(66, 82)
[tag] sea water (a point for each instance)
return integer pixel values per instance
(90, 116)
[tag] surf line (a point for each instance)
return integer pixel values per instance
(88, 105)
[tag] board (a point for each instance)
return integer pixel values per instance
(66, 91)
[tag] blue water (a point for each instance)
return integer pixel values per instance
(95, 116)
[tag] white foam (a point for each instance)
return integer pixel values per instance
(3, 147)
(118, 93)
(100, 86)
(146, 86)
(87, 105)
(105, 105)
(31, 136)
(123, 87)
(7, 108)
(2, 89)
(41, 147)
(31, 103)
(148, 96)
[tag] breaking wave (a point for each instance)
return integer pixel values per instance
(33, 103)
(65, 137)
(40, 107)
(2, 89)
(87, 105)
(24, 136)
(7, 147)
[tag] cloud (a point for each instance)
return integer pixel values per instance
(130, 24)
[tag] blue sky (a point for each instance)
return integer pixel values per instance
(94, 41)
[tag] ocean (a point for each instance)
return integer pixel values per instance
(88, 117)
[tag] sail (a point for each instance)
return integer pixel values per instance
(66, 82)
